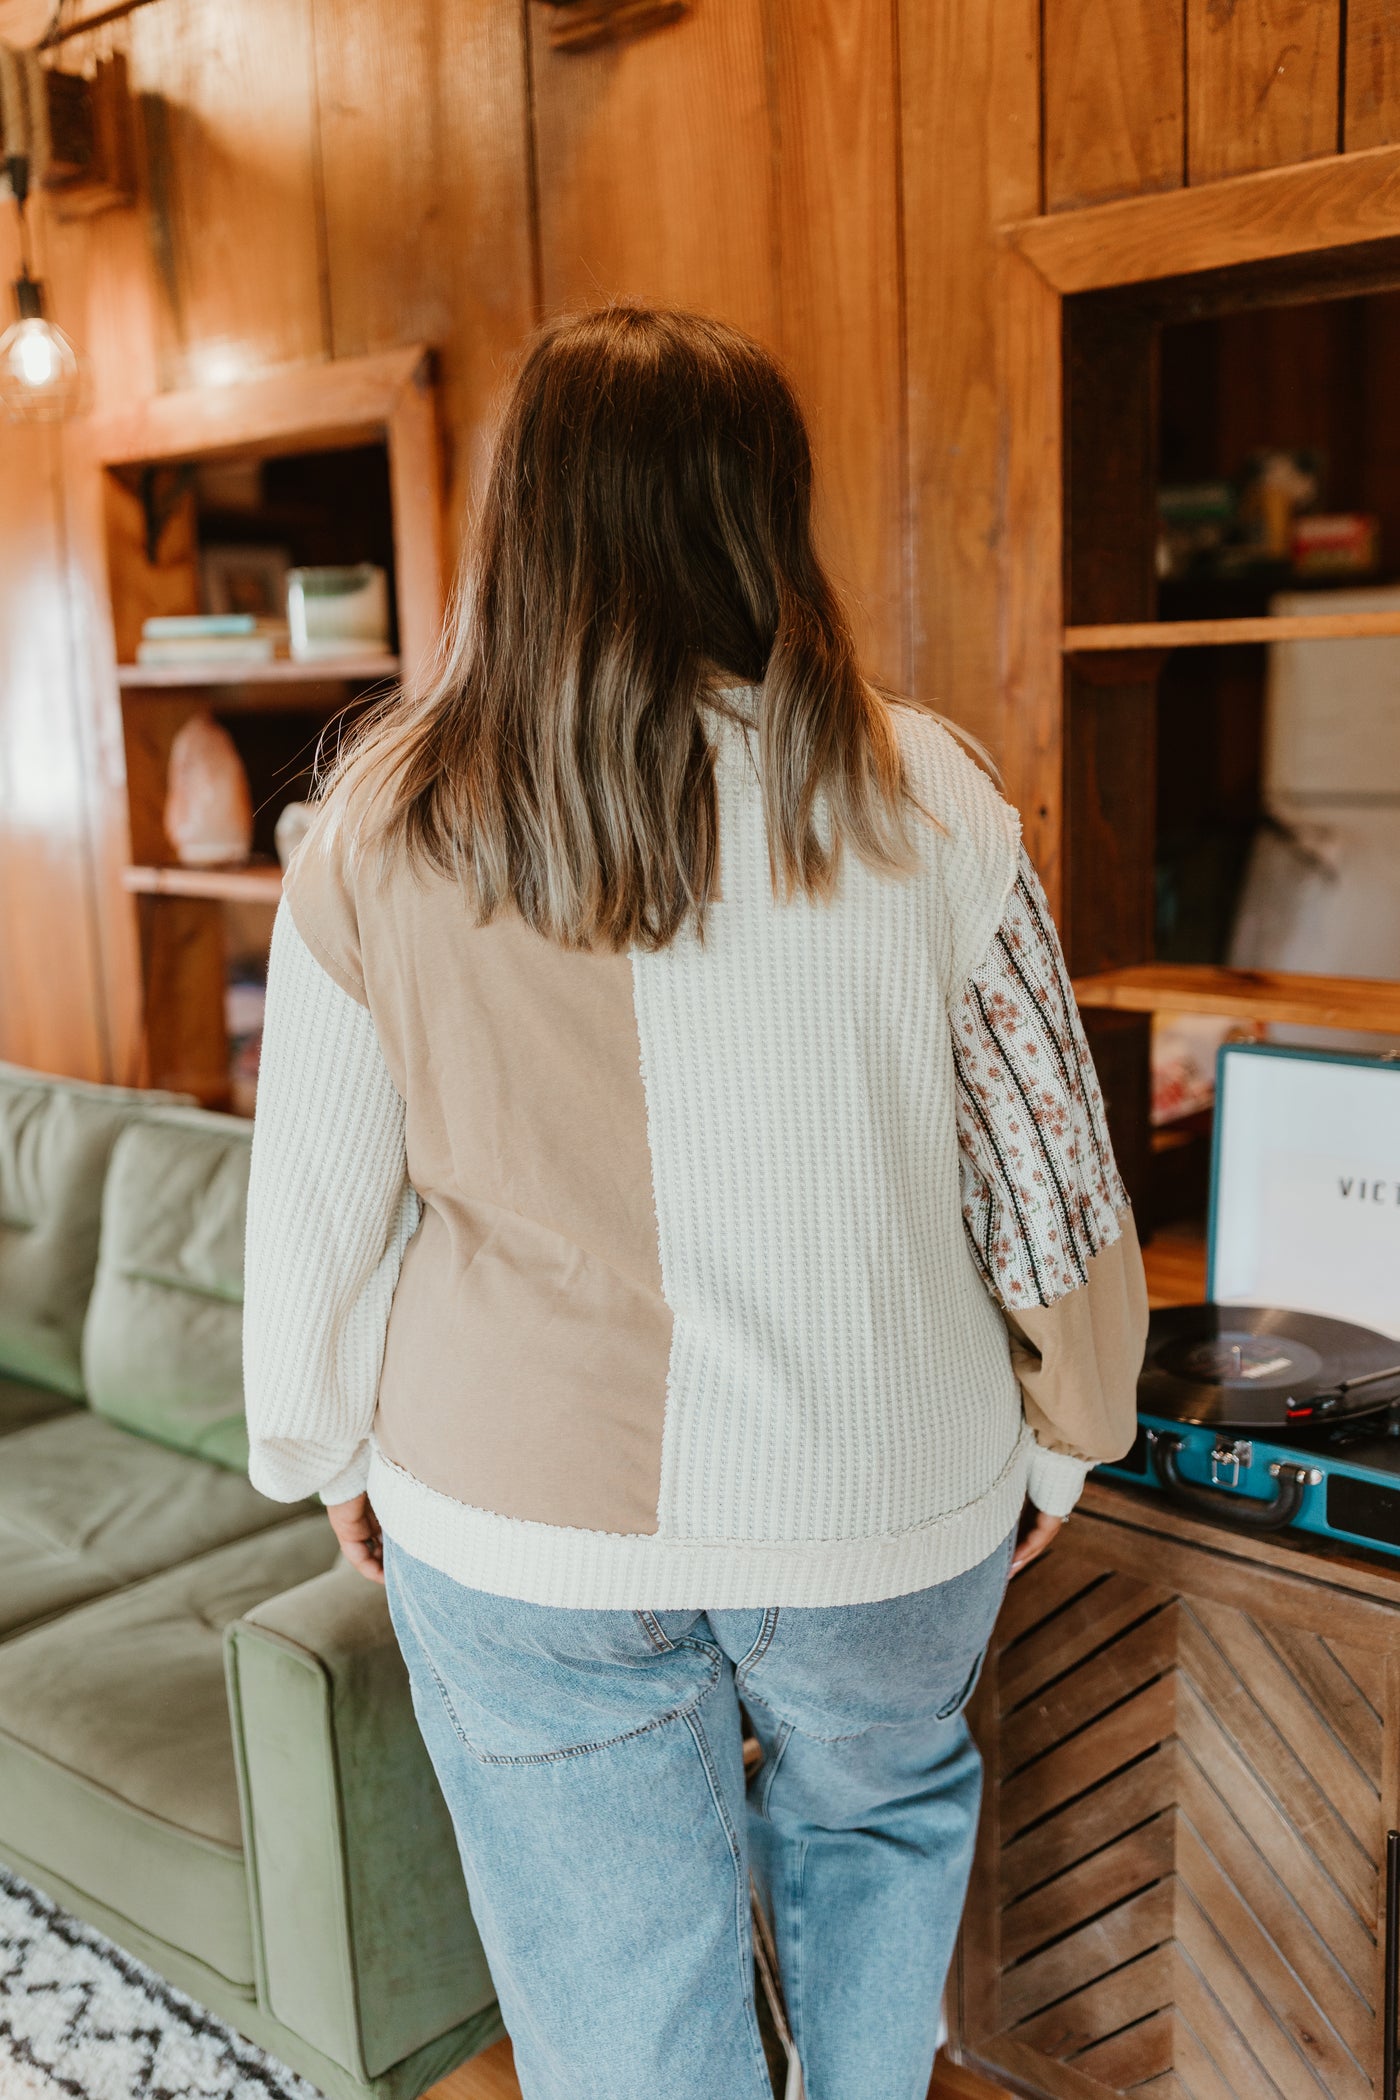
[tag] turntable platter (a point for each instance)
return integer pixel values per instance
(1251, 1367)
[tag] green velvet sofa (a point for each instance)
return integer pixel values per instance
(206, 1742)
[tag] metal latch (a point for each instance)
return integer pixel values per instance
(1311, 1474)
(1234, 1453)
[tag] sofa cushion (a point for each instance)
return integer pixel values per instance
(162, 1346)
(116, 1752)
(86, 1508)
(56, 1136)
(21, 1404)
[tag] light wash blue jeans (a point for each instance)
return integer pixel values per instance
(592, 1764)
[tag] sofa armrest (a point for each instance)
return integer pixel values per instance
(366, 1945)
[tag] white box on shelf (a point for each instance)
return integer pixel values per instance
(338, 611)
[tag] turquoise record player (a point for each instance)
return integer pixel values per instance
(1276, 1405)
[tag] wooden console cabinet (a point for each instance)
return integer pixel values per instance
(1193, 1762)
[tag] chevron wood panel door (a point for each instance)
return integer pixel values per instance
(1193, 1749)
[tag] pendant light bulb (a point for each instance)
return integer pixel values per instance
(40, 379)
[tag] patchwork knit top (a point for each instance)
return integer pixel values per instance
(770, 1268)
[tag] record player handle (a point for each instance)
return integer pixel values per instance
(1242, 1511)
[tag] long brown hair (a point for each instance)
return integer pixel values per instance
(645, 542)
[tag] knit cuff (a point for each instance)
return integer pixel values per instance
(1056, 1480)
(351, 1482)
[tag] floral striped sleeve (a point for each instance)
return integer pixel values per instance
(1041, 1190)
(1047, 1216)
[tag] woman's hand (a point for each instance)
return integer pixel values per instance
(361, 1541)
(1037, 1532)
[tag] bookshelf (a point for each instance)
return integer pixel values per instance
(333, 462)
(1159, 715)
(1369, 1005)
(237, 885)
(282, 672)
(1112, 636)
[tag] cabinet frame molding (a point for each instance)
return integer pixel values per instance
(1343, 200)
(316, 408)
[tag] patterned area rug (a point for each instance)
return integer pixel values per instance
(80, 2020)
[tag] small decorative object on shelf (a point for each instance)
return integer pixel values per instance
(337, 611)
(291, 828)
(1344, 543)
(208, 807)
(209, 638)
(238, 579)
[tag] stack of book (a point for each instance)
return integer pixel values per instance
(205, 638)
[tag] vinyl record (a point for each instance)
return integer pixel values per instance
(1250, 1367)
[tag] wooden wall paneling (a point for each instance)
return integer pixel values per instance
(102, 274)
(1294, 378)
(840, 294)
(1031, 562)
(183, 966)
(231, 171)
(1263, 82)
(424, 130)
(415, 477)
(51, 1009)
(379, 127)
(105, 286)
(1115, 116)
(655, 169)
(1372, 114)
(970, 132)
(1110, 741)
(152, 555)
(1110, 473)
(1110, 733)
(68, 1019)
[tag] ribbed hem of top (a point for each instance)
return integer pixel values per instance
(1056, 1480)
(632, 1571)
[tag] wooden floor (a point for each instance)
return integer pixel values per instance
(491, 2076)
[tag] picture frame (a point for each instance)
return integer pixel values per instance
(245, 579)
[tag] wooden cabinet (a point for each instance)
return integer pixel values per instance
(1193, 1756)
(345, 463)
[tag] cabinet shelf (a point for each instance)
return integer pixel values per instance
(1369, 1005)
(1215, 634)
(241, 885)
(281, 671)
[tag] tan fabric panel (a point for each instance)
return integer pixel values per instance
(535, 1386)
(1078, 1360)
(322, 904)
(528, 1347)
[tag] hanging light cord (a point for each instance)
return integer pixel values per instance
(17, 170)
